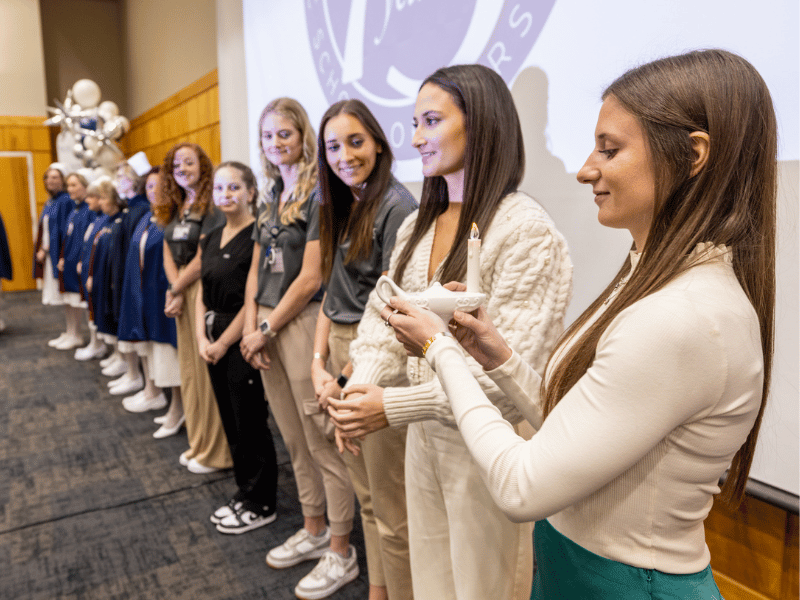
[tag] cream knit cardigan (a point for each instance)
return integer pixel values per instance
(526, 273)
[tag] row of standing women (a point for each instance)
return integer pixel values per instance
(639, 407)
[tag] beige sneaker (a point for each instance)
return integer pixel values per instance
(332, 572)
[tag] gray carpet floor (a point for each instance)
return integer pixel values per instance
(92, 507)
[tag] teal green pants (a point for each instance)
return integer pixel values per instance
(565, 570)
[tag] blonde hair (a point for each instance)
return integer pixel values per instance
(104, 187)
(291, 109)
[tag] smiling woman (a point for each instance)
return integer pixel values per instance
(362, 207)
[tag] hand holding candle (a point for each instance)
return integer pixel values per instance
(474, 260)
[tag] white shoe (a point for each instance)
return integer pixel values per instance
(90, 352)
(165, 431)
(57, 341)
(143, 404)
(332, 572)
(299, 547)
(160, 420)
(111, 358)
(196, 467)
(184, 459)
(124, 378)
(70, 342)
(132, 385)
(116, 368)
(133, 400)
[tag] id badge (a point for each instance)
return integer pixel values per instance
(180, 233)
(277, 260)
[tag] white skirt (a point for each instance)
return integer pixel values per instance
(51, 295)
(163, 366)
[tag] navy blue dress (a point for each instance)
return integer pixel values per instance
(77, 222)
(107, 245)
(131, 314)
(99, 221)
(57, 209)
(159, 327)
(6, 268)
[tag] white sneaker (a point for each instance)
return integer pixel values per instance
(298, 548)
(143, 404)
(196, 467)
(132, 384)
(57, 341)
(90, 352)
(225, 511)
(332, 572)
(116, 368)
(70, 342)
(132, 400)
(111, 358)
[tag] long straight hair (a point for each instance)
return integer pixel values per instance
(494, 162)
(340, 216)
(173, 195)
(731, 201)
(291, 109)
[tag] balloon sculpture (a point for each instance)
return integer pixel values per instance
(89, 130)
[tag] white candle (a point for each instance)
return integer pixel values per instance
(474, 260)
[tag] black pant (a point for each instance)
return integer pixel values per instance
(244, 413)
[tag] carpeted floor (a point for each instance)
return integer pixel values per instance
(92, 507)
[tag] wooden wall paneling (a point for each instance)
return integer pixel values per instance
(192, 114)
(747, 548)
(15, 206)
(790, 587)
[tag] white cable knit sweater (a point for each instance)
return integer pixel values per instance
(527, 276)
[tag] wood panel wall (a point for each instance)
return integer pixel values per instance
(754, 551)
(191, 115)
(22, 134)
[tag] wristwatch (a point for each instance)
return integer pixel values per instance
(266, 330)
(342, 380)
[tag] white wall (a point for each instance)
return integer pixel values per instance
(168, 45)
(22, 79)
(232, 82)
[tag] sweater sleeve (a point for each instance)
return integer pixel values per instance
(527, 274)
(656, 367)
(377, 356)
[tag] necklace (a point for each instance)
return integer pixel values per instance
(619, 284)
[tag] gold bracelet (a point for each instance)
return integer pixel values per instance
(433, 338)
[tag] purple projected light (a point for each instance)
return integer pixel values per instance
(380, 52)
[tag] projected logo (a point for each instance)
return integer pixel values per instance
(381, 51)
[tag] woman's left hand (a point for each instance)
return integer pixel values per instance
(360, 413)
(214, 352)
(413, 326)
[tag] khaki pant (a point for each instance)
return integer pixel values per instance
(462, 546)
(319, 471)
(378, 478)
(207, 442)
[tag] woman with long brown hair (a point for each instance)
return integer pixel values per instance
(362, 207)
(188, 215)
(659, 386)
(460, 114)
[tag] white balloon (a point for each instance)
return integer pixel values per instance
(77, 149)
(91, 143)
(113, 128)
(86, 93)
(126, 125)
(88, 155)
(108, 107)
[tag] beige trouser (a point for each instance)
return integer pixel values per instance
(319, 471)
(207, 442)
(378, 479)
(462, 546)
